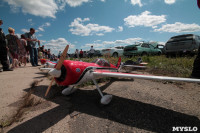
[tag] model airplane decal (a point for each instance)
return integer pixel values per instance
(72, 73)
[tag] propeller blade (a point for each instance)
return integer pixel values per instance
(58, 67)
(62, 58)
(49, 87)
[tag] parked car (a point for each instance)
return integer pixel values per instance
(115, 51)
(142, 48)
(158, 45)
(96, 53)
(182, 44)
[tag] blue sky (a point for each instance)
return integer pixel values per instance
(101, 23)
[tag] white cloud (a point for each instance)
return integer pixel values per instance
(123, 42)
(99, 34)
(78, 28)
(95, 45)
(136, 2)
(179, 27)
(120, 28)
(58, 45)
(18, 35)
(24, 30)
(144, 19)
(39, 35)
(30, 21)
(97, 41)
(102, 0)
(74, 3)
(99, 45)
(170, 1)
(41, 28)
(43, 8)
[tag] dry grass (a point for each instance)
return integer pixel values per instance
(27, 101)
(160, 65)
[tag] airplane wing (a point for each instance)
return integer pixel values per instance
(107, 73)
(46, 69)
(134, 66)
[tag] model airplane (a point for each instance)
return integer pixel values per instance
(133, 64)
(48, 63)
(72, 73)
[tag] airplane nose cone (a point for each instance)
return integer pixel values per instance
(55, 73)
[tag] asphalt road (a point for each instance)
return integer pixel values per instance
(137, 106)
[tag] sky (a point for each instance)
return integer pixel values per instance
(100, 23)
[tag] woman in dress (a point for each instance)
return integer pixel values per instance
(22, 50)
(13, 44)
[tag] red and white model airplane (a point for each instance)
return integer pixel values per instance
(72, 73)
(47, 63)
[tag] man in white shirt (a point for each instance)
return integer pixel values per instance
(91, 52)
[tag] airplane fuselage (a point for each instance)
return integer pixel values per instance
(77, 72)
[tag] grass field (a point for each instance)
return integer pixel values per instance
(160, 65)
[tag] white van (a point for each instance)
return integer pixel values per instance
(182, 45)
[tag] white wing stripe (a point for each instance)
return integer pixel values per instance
(124, 75)
(136, 66)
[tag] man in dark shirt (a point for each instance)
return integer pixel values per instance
(4, 50)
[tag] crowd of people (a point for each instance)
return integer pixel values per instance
(80, 54)
(15, 51)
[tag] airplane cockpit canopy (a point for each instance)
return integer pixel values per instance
(101, 62)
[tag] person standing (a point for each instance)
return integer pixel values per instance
(49, 54)
(76, 54)
(31, 42)
(59, 54)
(13, 45)
(196, 66)
(40, 54)
(3, 50)
(22, 50)
(81, 54)
(91, 52)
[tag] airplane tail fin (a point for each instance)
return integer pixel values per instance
(119, 62)
(198, 3)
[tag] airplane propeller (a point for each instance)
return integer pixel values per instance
(56, 72)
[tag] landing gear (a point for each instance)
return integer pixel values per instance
(104, 99)
(69, 90)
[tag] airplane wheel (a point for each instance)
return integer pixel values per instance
(106, 99)
(68, 91)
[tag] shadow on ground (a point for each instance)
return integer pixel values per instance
(121, 110)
